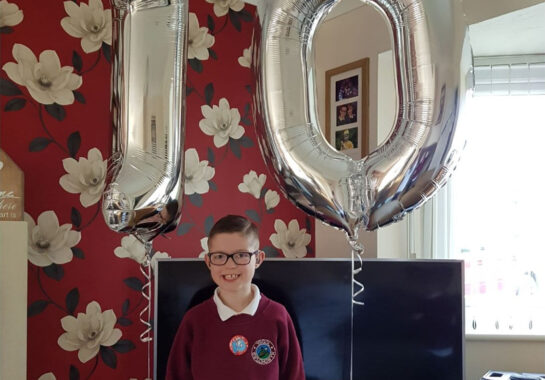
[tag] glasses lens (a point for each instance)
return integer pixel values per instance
(218, 258)
(242, 258)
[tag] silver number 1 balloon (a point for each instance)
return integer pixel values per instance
(433, 70)
(148, 92)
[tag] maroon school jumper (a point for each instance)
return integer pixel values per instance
(244, 347)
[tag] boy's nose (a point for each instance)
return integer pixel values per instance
(232, 263)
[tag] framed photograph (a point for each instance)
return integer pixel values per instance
(347, 108)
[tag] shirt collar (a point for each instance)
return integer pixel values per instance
(225, 312)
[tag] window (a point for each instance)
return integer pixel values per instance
(497, 216)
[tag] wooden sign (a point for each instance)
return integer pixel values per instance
(11, 189)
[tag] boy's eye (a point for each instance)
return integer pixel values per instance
(218, 256)
(242, 255)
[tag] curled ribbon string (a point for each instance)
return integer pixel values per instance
(145, 313)
(357, 289)
(357, 266)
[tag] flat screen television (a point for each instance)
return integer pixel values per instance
(411, 326)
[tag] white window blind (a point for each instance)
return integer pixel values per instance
(510, 75)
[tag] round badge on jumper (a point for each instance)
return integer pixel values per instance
(263, 351)
(238, 345)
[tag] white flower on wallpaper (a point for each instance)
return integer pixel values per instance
(252, 184)
(10, 14)
(131, 248)
(90, 22)
(47, 376)
(272, 199)
(158, 255)
(85, 177)
(290, 239)
(246, 59)
(222, 122)
(89, 331)
(221, 7)
(198, 40)
(46, 81)
(48, 242)
(197, 173)
(204, 246)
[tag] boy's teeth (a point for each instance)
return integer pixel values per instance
(231, 276)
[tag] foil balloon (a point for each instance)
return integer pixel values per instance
(148, 77)
(433, 70)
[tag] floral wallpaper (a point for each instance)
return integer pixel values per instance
(84, 281)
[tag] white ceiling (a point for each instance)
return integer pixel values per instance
(497, 27)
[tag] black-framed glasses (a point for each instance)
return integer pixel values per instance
(239, 258)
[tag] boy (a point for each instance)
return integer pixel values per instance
(238, 334)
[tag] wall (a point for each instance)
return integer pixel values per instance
(77, 266)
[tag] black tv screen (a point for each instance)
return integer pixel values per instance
(411, 325)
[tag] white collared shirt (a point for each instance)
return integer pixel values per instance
(225, 312)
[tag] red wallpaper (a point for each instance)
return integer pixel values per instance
(84, 283)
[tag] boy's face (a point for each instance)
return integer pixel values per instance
(231, 277)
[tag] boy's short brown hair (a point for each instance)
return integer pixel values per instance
(235, 224)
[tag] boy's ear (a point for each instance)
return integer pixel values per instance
(259, 258)
(207, 261)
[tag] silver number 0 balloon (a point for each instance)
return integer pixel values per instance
(433, 71)
(148, 80)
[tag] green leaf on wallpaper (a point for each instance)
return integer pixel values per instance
(77, 62)
(73, 373)
(124, 321)
(188, 90)
(270, 211)
(125, 307)
(270, 251)
(245, 15)
(213, 54)
(252, 214)
(210, 22)
(196, 199)
(72, 300)
(73, 143)
(248, 88)
(54, 271)
(235, 20)
(37, 307)
(195, 64)
(15, 104)
(78, 253)
(244, 120)
(246, 142)
(75, 217)
(308, 225)
(263, 192)
(56, 110)
(6, 30)
(123, 346)
(107, 50)
(184, 228)
(235, 147)
(213, 186)
(39, 144)
(9, 88)
(108, 356)
(210, 155)
(134, 283)
(208, 224)
(246, 109)
(79, 97)
(209, 93)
